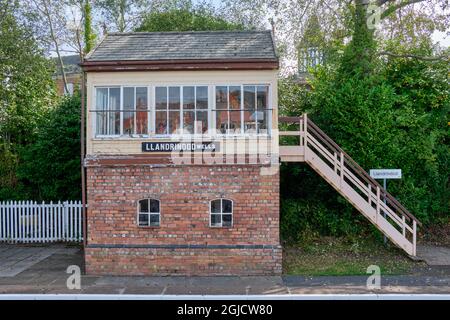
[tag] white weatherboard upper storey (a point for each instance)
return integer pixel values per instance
(128, 145)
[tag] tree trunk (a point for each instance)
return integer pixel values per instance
(360, 53)
(55, 41)
(122, 8)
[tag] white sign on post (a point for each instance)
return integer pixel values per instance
(386, 173)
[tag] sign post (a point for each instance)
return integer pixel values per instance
(385, 174)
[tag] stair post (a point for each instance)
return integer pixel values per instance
(305, 126)
(403, 226)
(305, 129)
(378, 203)
(342, 169)
(335, 163)
(414, 237)
(301, 130)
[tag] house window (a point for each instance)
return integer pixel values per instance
(181, 110)
(242, 109)
(310, 57)
(221, 213)
(124, 110)
(135, 116)
(69, 90)
(121, 111)
(149, 213)
(108, 111)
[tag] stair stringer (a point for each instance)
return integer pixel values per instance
(361, 204)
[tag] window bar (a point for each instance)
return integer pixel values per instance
(227, 132)
(241, 96)
(148, 113)
(134, 131)
(167, 110)
(181, 112)
(195, 110)
(256, 109)
(221, 213)
(121, 113)
(108, 115)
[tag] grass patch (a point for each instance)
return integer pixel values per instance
(341, 256)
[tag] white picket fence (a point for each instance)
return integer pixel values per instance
(28, 221)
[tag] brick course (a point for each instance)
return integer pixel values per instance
(184, 243)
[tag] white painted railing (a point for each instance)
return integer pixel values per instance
(30, 221)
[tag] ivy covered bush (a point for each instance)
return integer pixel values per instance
(51, 166)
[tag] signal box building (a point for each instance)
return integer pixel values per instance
(175, 126)
(182, 157)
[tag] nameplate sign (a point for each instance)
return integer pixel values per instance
(179, 146)
(386, 173)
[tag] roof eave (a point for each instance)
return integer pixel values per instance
(179, 65)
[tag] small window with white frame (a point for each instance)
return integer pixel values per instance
(68, 90)
(242, 109)
(108, 111)
(149, 213)
(181, 110)
(221, 213)
(121, 111)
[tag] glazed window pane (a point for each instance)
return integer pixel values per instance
(154, 206)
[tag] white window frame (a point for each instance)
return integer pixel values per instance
(243, 133)
(70, 89)
(122, 111)
(221, 213)
(181, 110)
(149, 213)
(96, 112)
(211, 111)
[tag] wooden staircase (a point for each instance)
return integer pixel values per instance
(351, 181)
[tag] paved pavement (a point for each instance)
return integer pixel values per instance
(43, 270)
(434, 255)
(15, 259)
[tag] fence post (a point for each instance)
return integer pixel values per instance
(80, 221)
(35, 221)
(58, 220)
(63, 220)
(71, 220)
(19, 219)
(2, 222)
(25, 227)
(16, 233)
(5, 222)
(22, 220)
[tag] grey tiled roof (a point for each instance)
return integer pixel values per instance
(201, 45)
(71, 64)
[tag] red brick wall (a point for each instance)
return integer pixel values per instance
(145, 261)
(184, 243)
